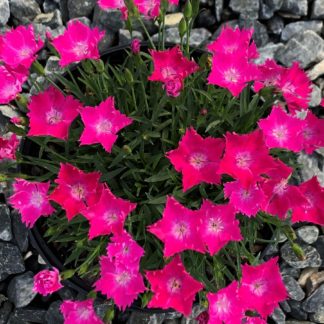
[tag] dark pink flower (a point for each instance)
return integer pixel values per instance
(51, 113)
(102, 123)
(77, 312)
(173, 287)
(46, 282)
(148, 8)
(136, 45)
(202, 318)
(16, 120)
(254, 320)
(8, 147)
(120, 282)
(218, 226)
(76, 189)
(178, 229)
(79, 42)
(313, 209)
(262, 287)
(282, 130)
(197, 158)
(31, 199)
(225, 306)
(108, 215)
(19, 47)
(114, 4)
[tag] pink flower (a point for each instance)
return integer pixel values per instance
(225, 306)
(51, 113)
(173, 287)
(202, 318)
(245, 200)
(77, 312)
(17, 120)
(8, 147)
(322, 102)
(197, 159)
(11, 83)
(171, 67)
(282, 130)
(31, 199)
(313, 209)
(254, 320)
(178, 229)
(278, 170)
(261, 287)
(120, 282)
(114, 4)
(136, 45)
(46, 282)
(79, 42)
(124, 249)
(102, 123)
(19, 46)
(76, 189)
(149, 8)
(246, 157)
(218, 226)
(108, 215)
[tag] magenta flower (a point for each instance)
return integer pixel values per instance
(254, 320)
(120, 282)
(247, 200)
(136, 46)
(173, 287)
(171, 67)
(313, 209)
(47, 282)
(79, 42)
(102, 123)
(76, 189)
(31, 199)
(8, 147)
(262, 287)
(19, 47)
(124, 249)
(77, 312)
(148, 8)
(246, 157)
(178, 229)
(225, 306)
(114, 4)
(108, 214)
(51, 113)
(197, 159)
(282, 130)
(218, 226)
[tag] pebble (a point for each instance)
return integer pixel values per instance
(287, 270)
(5, 223)
(308, 234)
(311, 167)
(260, 35)
(296, 311)
(296, 27)
(80, 8)
(319, 245)
(20, 231)
(299, 7)
(219, 4)
(318, 316)
(305, 274)
(49, 6)
(275, 25)
(173, 20)
(248, 9)
(24, 9)
(316, 71)
(53, 314)
(143, 317)
(29, 314)
(5, 310)
(206, 19)
(278, 316)
(318, 9)
(294, 290)
(52, 66)
(314, 301)
(110, 20)
(268, 52)
(269, 7)
(316, 96)
(5, 12)
(125, 36)
(52, 19)
(196, 311)
(314, 281)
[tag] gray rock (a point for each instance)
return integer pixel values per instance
(260, 35)
(11, 261)
(316, 96)
(298, 322)
(287, 270)
(295, 292)
(312, 257)
(101, 308)
(285, 306)
(20, 290)
(299, 26)
(30, 314)
(248, 9)
(314, 281)
(5, 224)
(275, 25)
(20, 231)
(219, 4)
(49, 6)
(149, 318)
(308, 234)
(269, 251)
(52, 66)
(319, 245)
(318, 9)
(125, 37)
(318, 316)
(299, 7)
(268, 52)
(316, 71)
(278, 316)
(27, 9)
(107, 41)
(40, 30)
(314, 301)
(196, 311)
(4, 12)
(5, 310)
(63, 6)
(296, 311)
(269, 7)
(57, 31)
(51, 19)
(108, 19)
(310, 167)
(305, 275)
(80, 8)
(53, 315)
(84, 20)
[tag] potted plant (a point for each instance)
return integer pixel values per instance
(155, 172)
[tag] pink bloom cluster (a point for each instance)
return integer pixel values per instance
(8, 147)
(47, 281)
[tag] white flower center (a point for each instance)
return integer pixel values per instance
(215, 225)
(198, 160)
(258, 287)
(78, 191)
(243, 160)
(181, 230)
(280, 133)
(168, 72)
(53, 117)
(25, 52)
(280, 187)
(104, 126)
(174, 285)
(80, 49)
(288, 87)
(36, 199)
(231, 75)
(123, 278)
(110, 217)
(222, 305)
(84, 313)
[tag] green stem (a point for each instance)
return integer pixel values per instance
(146, 32)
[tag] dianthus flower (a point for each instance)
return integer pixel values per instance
(77, 312)
(79, 42)
(119, 281)
(225, 306)
(197, 159)
(173, 287)
(76, 189)
(262, 287)
(18, 47)
(136, 46)
(108, 215)
(254, 320)
(178, 229)
(218, 226)
(8, 147)
(102, 123)
(148, 8)
(51, 113)
(47, 281)
(114, 4)
(171, 67)
(313, 209)
(31, 199)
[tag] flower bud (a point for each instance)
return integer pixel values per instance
(188, 10)
(136, 45)
(127, 149)
(182, 27)
(128, 76)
